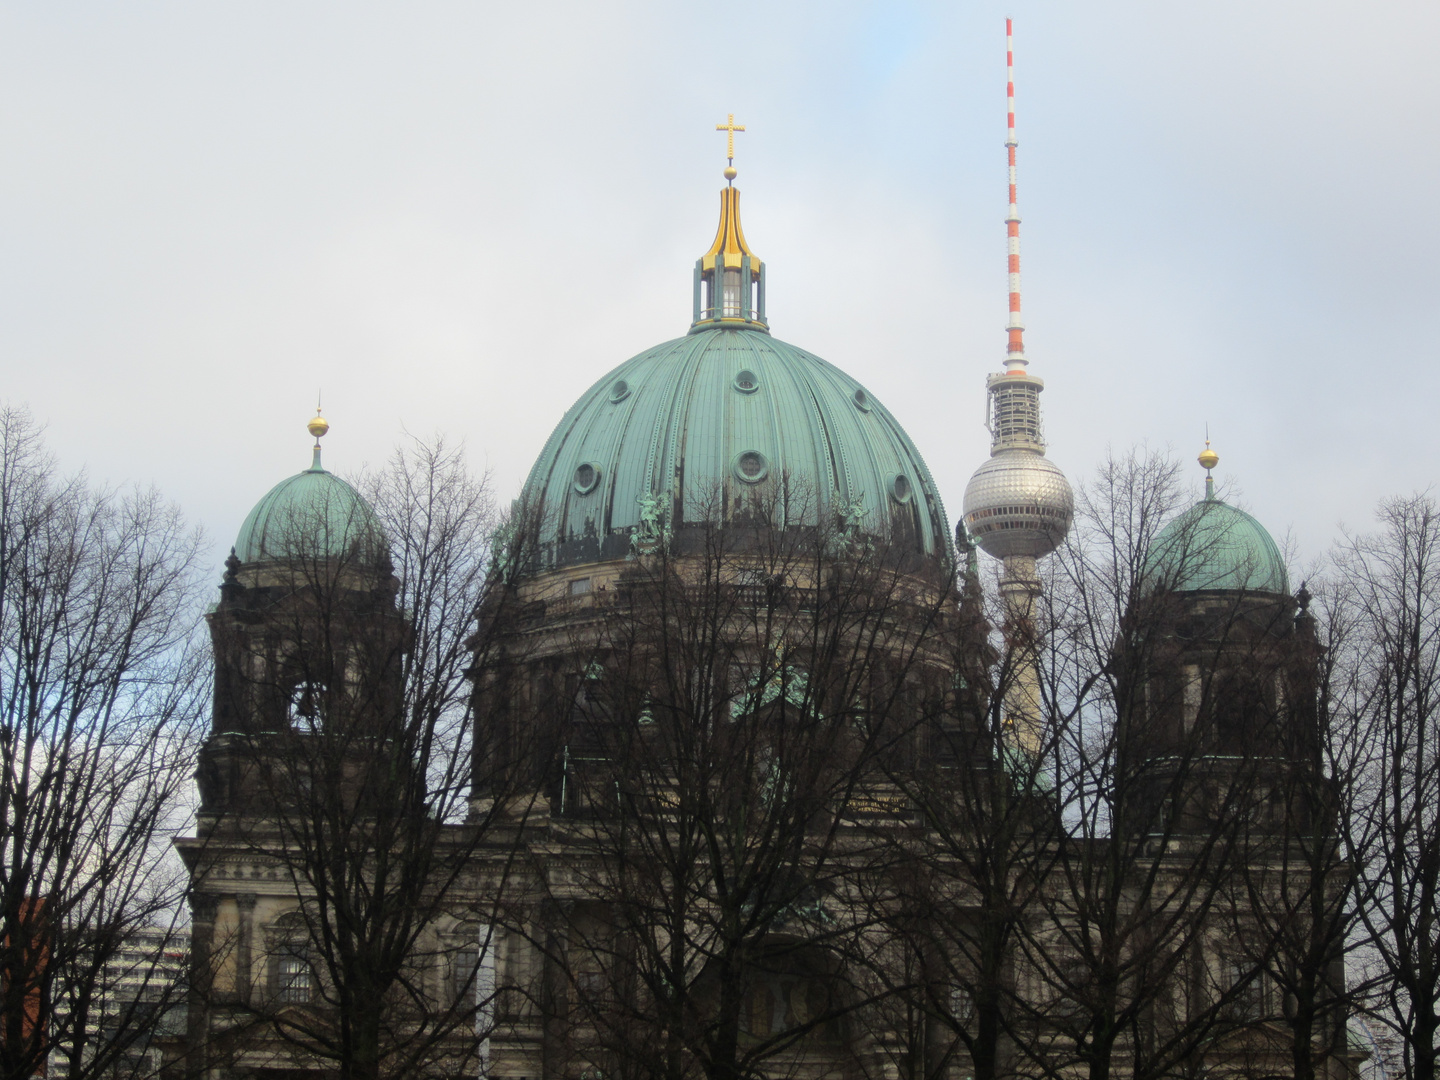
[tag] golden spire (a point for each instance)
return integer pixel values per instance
(729, 247)
(730, 127)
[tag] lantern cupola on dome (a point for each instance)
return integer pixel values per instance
(729, 278)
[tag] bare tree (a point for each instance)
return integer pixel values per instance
(719, 778)
(100, 701)
(1290, 906)
(1388, 692)
(342, 760)
(1161, 694)
(952, 904)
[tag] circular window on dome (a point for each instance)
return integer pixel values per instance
(751, 466)
(861, 400)
(620, 390)
(900, 489)
(747, 382)
(586, 477)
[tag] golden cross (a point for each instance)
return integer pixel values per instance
(730, 127)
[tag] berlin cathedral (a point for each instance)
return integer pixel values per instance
(765, 768)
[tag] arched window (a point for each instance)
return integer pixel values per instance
(307, 705)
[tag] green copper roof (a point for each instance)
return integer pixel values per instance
(1213, 545)
(308, 514)
(718, 415)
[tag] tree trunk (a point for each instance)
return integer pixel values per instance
(1302, 1035)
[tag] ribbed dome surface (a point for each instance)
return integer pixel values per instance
(718, 415)
(313, 513)
(1214, 545)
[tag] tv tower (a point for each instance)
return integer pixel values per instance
(1018, 505)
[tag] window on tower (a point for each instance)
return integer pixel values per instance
(292, 979)
(308, 699)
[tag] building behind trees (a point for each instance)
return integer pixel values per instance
(140, 1006)
(717, 757)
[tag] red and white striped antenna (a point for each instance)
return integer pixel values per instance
(1015, 349)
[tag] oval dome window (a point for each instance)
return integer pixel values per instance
(751, 466)
(586, 477)
(620, 390)
(861, 400)
(747, 382)
(900, 489)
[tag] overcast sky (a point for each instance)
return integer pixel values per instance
(456, 216)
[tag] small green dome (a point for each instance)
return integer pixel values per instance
(718, 415)
(1214, 546)
(316, 508)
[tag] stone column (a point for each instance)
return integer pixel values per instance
(245, 935)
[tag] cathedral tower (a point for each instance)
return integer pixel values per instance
(307, 644)
(306, 635)
(1230, 667)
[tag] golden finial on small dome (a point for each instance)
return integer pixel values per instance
(318, 425)
(1208, 460)
(731, 172)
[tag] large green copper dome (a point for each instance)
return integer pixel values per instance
(311, 513)
(1215, 546)
(691, 428)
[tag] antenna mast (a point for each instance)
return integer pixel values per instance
(1015, 350)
